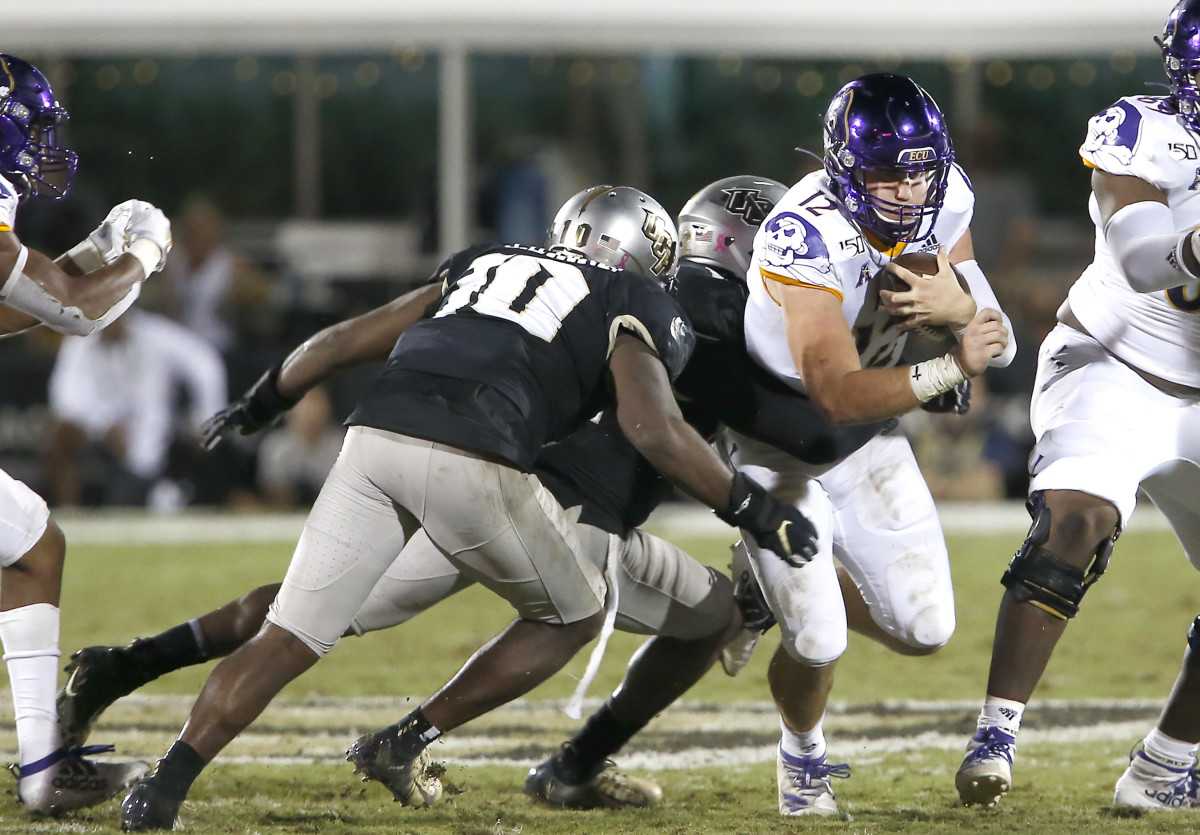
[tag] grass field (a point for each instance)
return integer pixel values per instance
(900, 722)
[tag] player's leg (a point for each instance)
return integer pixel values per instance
(1162, 771)
(689, 608)
(353, 533)
(812, 619)
(517, 541)
(100, 675)
(32, 551)
(895, 575)
(1100, 429)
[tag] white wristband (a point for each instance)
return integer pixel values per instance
(935, 376)
(86, 255)
(148, 253)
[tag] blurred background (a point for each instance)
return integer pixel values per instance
(319, 159)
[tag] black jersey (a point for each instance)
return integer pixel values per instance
(515, 354)
(596, 468)
(723, 385)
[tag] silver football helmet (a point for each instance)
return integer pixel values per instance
(620, 227)
(717, 225)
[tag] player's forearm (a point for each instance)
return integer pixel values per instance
(864, 396)
(682, 457)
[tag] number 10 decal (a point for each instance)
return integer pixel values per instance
(534, 293)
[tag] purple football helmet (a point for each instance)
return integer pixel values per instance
(887, 123)
(1180, 43)
(30, 116)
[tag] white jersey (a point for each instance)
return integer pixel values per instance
(1158, 332)
(8, 205)
(809, 241)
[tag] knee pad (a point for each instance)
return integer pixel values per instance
(1039, 576)
(813, 649)
(931, 628)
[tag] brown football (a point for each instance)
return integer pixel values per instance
(925, 341)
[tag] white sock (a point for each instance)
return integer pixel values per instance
(804, 743)
(30, 638)
(1004, 714)
(1170, 751)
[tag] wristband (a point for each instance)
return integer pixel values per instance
(935, 376)
(86, 255)
(148, 253)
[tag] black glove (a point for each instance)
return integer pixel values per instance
(258, 407)
(774, 525)
(957, 400)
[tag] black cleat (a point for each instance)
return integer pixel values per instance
(98, 676)
(610, 789)
(147, 808)
(412, 779)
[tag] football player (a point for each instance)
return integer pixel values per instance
(80, 292)
(1116, 406)
(818, 321)
(519, 351)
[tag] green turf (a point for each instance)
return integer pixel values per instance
(1127, 643)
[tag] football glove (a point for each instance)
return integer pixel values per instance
(149, 223)
(258, 407)
(776, 526)
(957, 400)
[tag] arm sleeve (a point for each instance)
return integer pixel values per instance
(984, 296)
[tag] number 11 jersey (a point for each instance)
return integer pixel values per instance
(515, 354)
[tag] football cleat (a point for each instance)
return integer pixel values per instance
(804, 787)
(1151, 784)
(609, 789)
(147, 807)
(412, 779)
(67, 780)
(98, 676)
(986, 772)
(756, 615)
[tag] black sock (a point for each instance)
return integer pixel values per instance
(176, 771)
(167, 651)
(414, 732)
(602, 736)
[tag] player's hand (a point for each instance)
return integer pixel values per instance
(937, 299)
(984, 339)
(111, 237)
(260, 406)
(776, 526)
(149, 223)
(956, 401)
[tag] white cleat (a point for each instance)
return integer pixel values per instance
(986, 772)
(804, 787)
(1150, 784)
(66, 780)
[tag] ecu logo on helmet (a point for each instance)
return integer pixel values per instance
(911, 155)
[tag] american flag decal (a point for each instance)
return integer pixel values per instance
(705, 237)
(609, 243)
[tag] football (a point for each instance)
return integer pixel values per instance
(925, 341)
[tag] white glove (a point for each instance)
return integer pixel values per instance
(148, 223)
(110, 237)
(107, 242)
